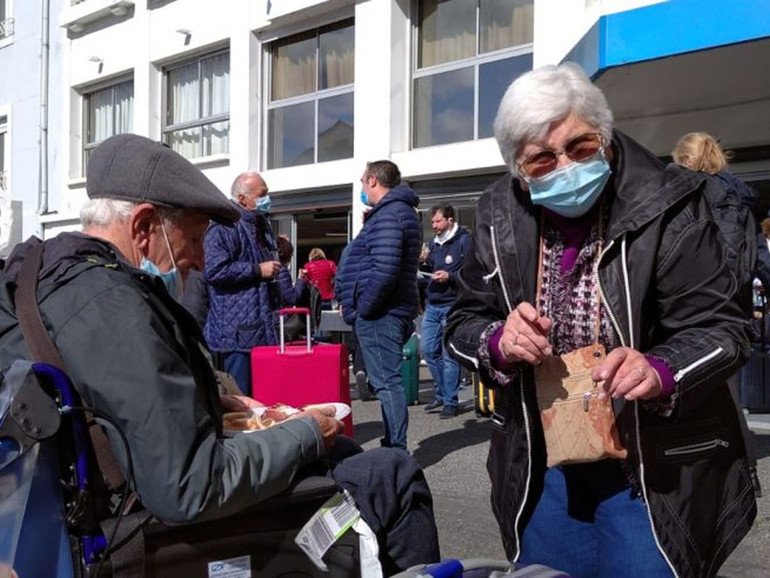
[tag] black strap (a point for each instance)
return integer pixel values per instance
(43, 349)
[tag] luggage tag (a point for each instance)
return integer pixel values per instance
(335, 517)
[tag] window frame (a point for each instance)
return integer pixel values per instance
(200, 122)
(476, 62)
(8, 23)
(315, 96)
(85, 96)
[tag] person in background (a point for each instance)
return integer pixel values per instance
(446, 253)
(241, 270)
(320, 272)
(291, 293)
(591, 242)
(379, 288)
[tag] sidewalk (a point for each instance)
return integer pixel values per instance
(759, 422)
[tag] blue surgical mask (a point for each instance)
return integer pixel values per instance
(262, 204)
(364, 198)
(172, 278)
(572, 190)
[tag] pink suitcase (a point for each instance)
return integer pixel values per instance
(299, 375)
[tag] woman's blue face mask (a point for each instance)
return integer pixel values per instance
(572, 190)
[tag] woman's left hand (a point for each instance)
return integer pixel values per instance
(627, 373)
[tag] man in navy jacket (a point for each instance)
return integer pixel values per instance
(447, 250)
(378, 288)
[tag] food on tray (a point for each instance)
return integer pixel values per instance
(258, 418)
(239, 420)
(277, 412)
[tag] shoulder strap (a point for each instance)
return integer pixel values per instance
(44, 350)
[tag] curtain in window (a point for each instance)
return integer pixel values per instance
(124, 107)
(505, 23)
(447, 31)
(336, 50)
(215, 76)
(100, 116)
(184, 103)
(294, 66)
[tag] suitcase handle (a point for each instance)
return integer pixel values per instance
(288, 311)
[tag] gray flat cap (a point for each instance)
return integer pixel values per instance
(130, 167)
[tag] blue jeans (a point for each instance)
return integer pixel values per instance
(588, 524)
(444, 370)
(238, 364)
(382, 341)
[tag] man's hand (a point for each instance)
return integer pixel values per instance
(269, 269)
(330, 426)
(525, 336)
(232, 403)
(627, 373)
(302, 274)
(440, 276)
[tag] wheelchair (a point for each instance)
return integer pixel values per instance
(50, 509)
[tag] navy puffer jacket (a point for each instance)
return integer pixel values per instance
(242, 305)
(378, 275)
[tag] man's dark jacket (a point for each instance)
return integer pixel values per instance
(691, 467)
(448, 257)
(242, 305)
(379, 273)
(136, 355)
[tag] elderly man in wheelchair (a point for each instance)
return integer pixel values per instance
(92, 341)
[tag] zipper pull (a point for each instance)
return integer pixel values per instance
(586, 400)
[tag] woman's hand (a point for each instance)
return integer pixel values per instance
(525, 336)
(627, 373)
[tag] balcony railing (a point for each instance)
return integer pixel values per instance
(3, 181)
(6, 28)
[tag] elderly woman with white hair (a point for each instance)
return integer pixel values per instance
(597, 302)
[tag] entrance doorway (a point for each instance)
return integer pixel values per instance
(326, 229)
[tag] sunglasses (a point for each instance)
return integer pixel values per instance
(579, 149)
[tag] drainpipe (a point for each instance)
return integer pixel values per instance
(44, 49)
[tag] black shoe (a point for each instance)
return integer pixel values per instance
(433, 406)
(362, 387)
(449, 412)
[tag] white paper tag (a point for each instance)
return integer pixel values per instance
(231, 568)
(327, 526)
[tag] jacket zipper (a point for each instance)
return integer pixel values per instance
(616, 326)
(695, 364)
(527, 426)
(697, 447)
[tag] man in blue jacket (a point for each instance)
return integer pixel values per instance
(241, 270)
(447, 250)
(378, 288)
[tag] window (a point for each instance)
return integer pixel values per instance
(6, 22)
(198, 106)
(106, 112)
(310, 110)
(3, 174)
(468, 52)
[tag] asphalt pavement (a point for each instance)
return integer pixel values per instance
(453, 453)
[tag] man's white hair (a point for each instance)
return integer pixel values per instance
(104, 212)
(543, 96)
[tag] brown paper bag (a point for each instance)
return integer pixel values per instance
(579, 427)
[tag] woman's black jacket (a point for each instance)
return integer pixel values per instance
(665, 285)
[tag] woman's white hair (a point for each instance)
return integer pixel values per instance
(545, 95)
(104, 212)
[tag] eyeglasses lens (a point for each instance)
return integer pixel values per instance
(579, 149)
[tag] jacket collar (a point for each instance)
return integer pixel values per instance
(399, 193)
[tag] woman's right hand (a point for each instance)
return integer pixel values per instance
(525, 336)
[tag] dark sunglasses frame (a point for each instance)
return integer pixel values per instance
(597, 137)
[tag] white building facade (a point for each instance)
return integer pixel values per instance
(308, 91)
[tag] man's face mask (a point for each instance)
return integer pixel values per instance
(172, 278)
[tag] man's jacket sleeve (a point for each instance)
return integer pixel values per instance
(141, 379)
(223, 268)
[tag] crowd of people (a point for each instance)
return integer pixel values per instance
(590, 256)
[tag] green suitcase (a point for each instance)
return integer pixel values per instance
(410, 366)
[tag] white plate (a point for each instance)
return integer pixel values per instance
(342, 409)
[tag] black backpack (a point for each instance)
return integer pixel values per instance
(739, 230)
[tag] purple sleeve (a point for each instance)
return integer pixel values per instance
(498, 361)
(668, 385)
